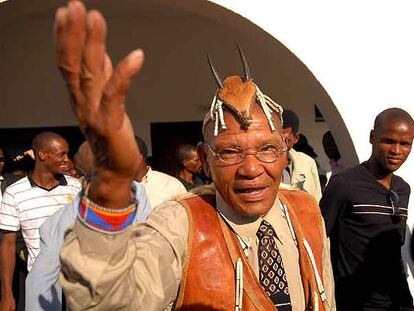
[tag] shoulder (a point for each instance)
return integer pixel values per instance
(19, 186)
(300, 156)
(165, 179)
(11, 178)
(169, 214)
(400, 185)
(352, 172)
(298, 199)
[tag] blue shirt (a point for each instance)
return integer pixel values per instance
(43, 289)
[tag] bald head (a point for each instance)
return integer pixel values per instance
(84, 160)
(43, 141)
(393, 115)
(391, 140)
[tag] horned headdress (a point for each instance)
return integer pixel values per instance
(238, 95)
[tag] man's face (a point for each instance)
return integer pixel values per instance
(291, 138)
(55, 156)
(391, 144)
(251, 186)
(330, 148)
(1, 160)
(193, 163)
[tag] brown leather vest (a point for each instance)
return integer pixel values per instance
(208, 280)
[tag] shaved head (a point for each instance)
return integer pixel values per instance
(43, 140)
(84, 159)
(391, 140)
(393, 115)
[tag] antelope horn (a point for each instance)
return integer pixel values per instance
(247, 75)
(214, 72)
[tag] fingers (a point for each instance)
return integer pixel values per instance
(119, 82)
(94, 59)
(94, 51)
(70, 38)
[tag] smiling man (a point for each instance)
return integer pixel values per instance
(240, 244)
(29, 202)
(365, 210)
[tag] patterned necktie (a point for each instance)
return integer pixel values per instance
(272, 273)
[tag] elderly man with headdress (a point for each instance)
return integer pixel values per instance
(239, 245)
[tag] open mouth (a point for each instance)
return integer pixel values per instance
(249, 190)
(251, 194)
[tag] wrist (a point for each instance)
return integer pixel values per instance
(110, 190)
(104, 218)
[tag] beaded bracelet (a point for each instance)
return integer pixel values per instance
(103, 218)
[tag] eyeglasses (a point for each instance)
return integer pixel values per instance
(231, 156)
(393, 199)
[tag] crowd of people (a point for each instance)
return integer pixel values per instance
(251, 221)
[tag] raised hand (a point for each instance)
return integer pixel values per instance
(97, 96)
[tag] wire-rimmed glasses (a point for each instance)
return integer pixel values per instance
(234, 155)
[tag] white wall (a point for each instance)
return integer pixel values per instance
(175, 84)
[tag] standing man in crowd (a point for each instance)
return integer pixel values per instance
(333, 154)
(29, 202)
(160, 187)
(189, 166)
(365, 210)
(247, 228)
(301, 171)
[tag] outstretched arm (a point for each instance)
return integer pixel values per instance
(139, 267)
(97, 96)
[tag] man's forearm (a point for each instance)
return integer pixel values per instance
(7, 262)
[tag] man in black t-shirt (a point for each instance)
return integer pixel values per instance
(365, 211)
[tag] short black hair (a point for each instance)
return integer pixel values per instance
(290, 119)
(142, 146)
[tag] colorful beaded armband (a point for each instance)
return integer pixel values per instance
(103, 218)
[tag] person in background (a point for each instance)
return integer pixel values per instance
(365, 209)
(333, 154)
(7, 179)
(160, 187)
(29, 202)
(302, 145)
(301, 172)
(189, 166)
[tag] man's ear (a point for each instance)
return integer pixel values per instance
(295, 138)
(371, 137)
(42, 154)
(201, 151)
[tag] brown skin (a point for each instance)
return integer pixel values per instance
(234, 182)
(83, 160)
(391, 145)
(291, 138)
(97, 96)
(52, 159)
(7, 264)
(192, 165)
